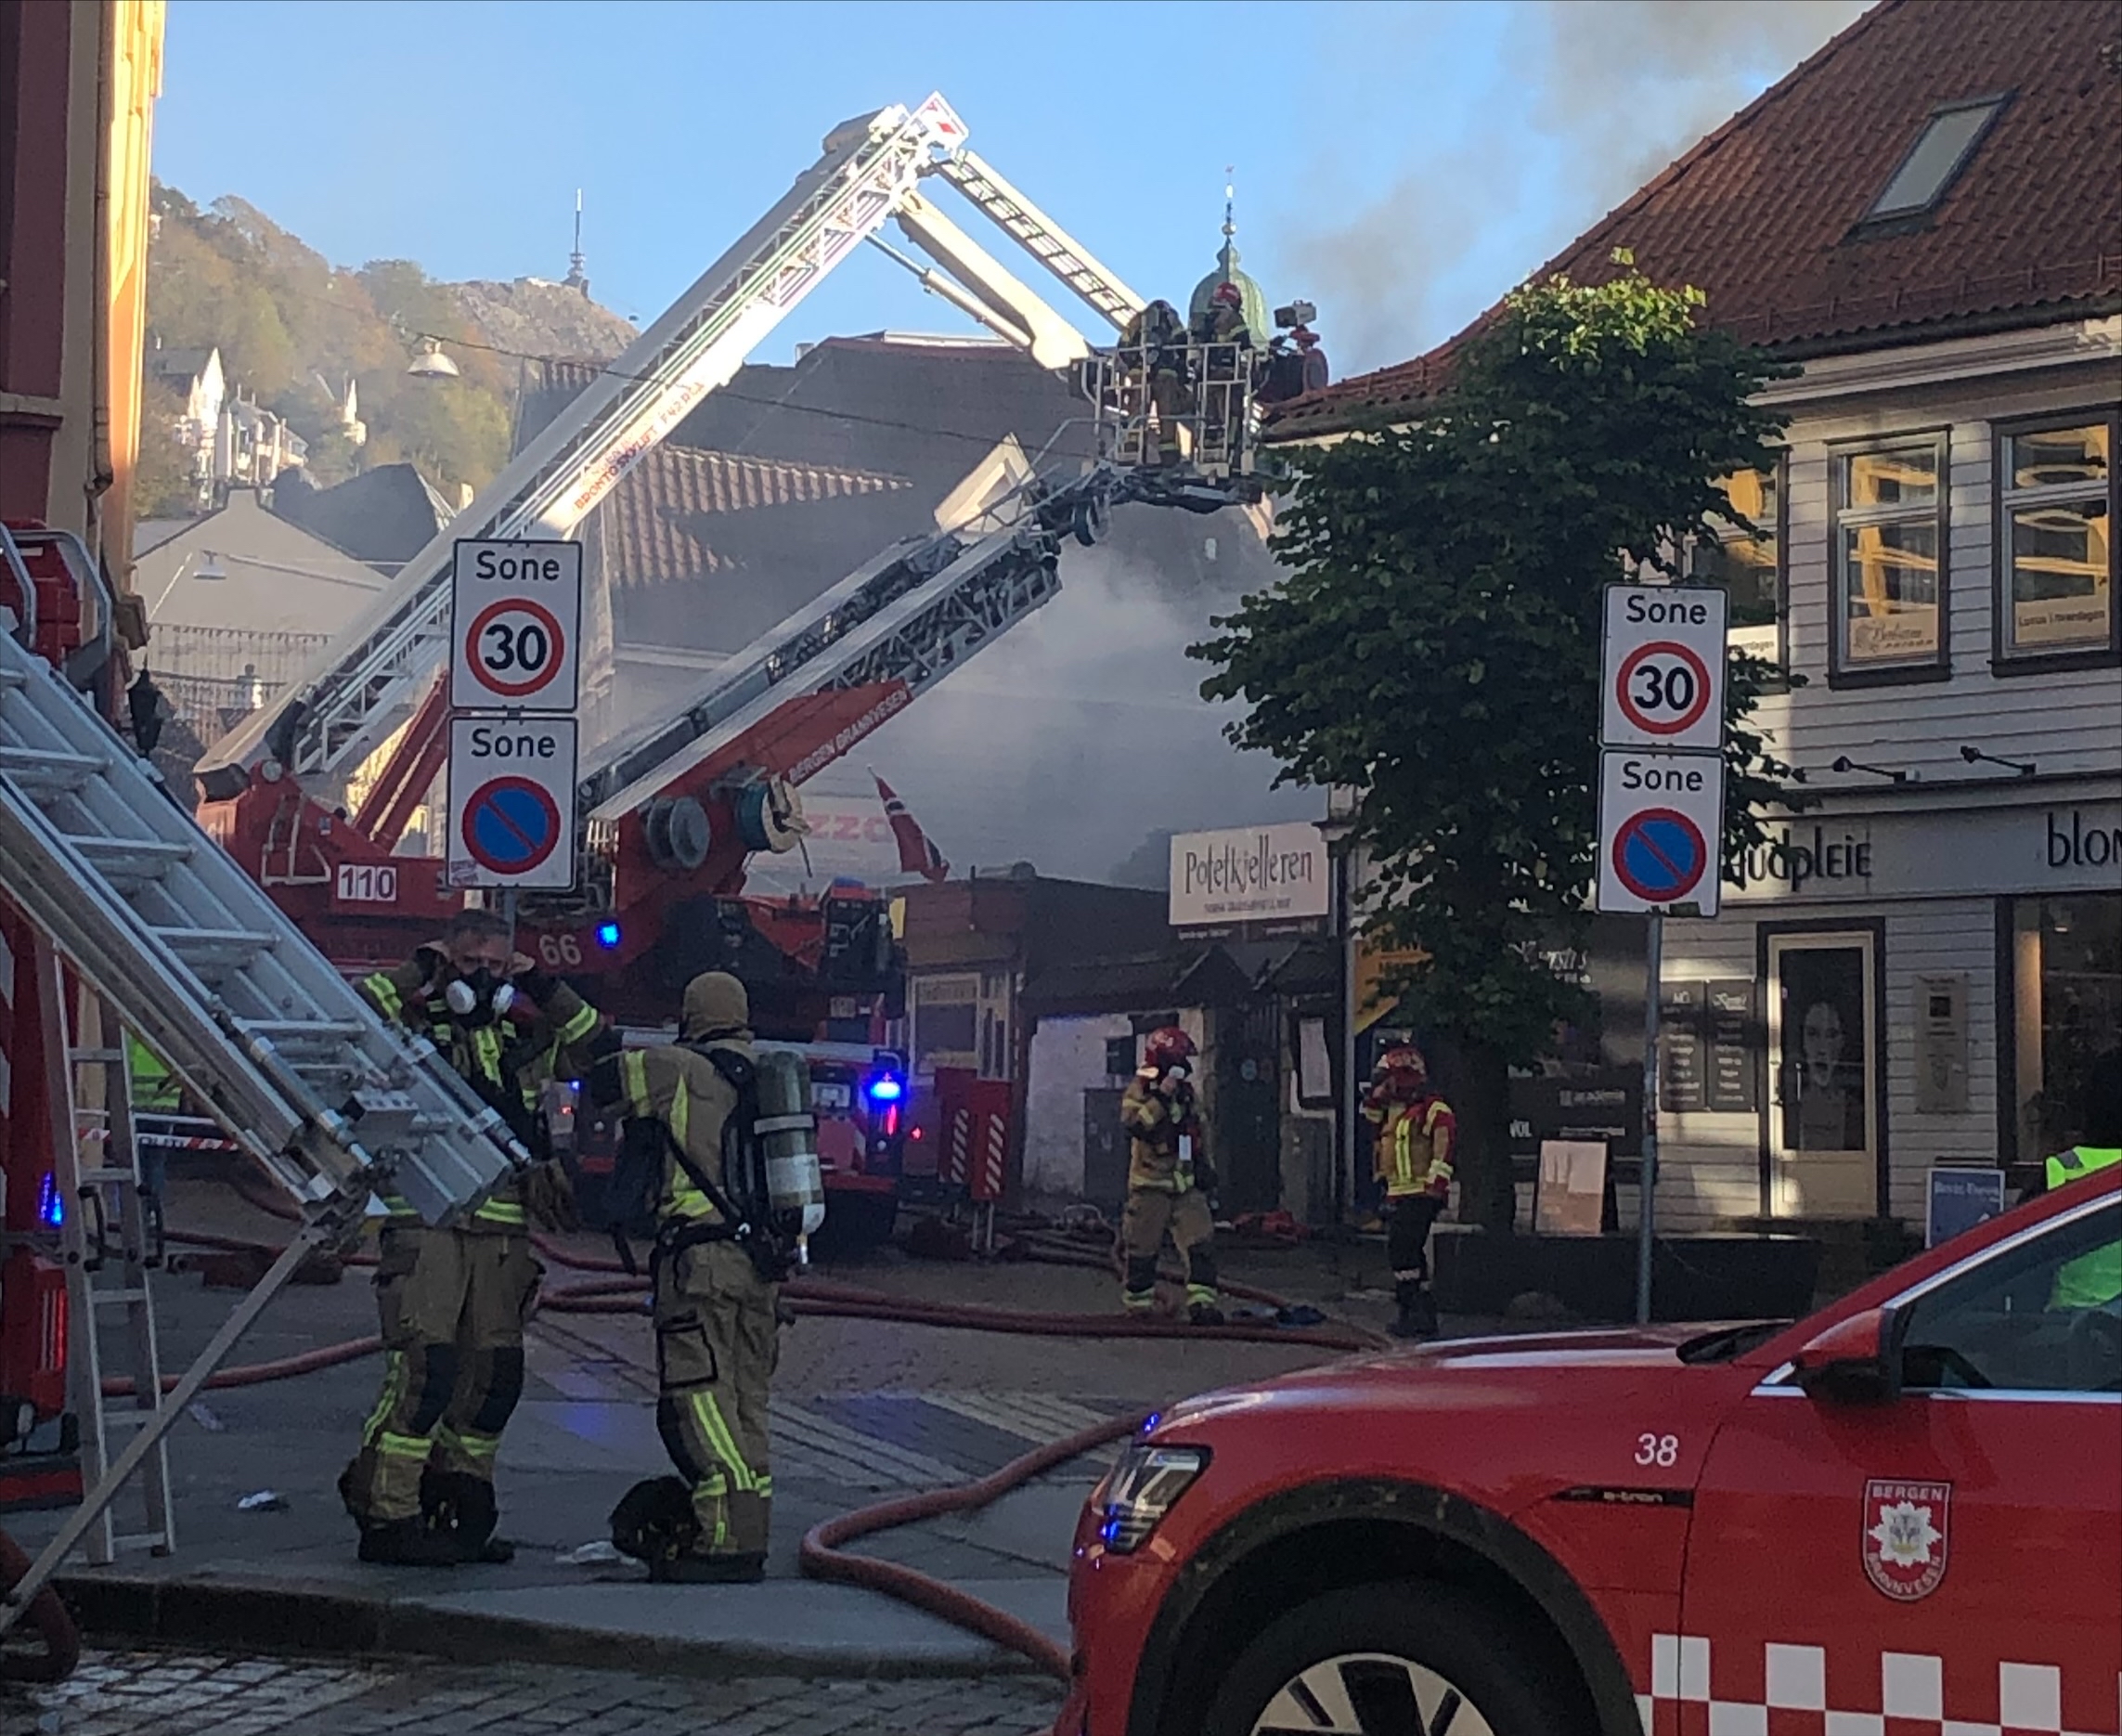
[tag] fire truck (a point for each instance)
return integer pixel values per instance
(672, 810)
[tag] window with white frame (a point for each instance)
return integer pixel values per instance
(1889, 560)
(2056, 539)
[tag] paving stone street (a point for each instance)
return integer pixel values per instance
(189, 1693)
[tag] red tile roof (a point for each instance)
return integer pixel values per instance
(653, 520)
(1763, 214)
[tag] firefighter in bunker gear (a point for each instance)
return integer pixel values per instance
(1415, 1135)
(715, 1312)
(1169, 1179)
(453, 1301)
(2093, 1279)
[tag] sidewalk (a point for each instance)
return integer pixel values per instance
(863, 1411)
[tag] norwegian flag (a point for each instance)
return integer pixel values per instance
(917, 854)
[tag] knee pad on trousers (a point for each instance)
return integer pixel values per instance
(504, 1389)
(437, 1381)
(669, 1424)
(1142, 1273)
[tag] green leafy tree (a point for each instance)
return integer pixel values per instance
(1435, 647)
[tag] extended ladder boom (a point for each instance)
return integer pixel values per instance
(910, 617)
(367, 682)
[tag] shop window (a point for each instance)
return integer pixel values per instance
(2066, 1001)
(1823, 1022)
(2055, 541)
(1889, 564)
(1748, 564)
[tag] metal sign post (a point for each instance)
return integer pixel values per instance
(1660, 805)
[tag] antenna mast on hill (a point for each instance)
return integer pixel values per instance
(576, 277)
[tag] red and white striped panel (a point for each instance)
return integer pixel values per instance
(1748, 1689)
(994, 1157)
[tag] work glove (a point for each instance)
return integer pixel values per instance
(433, 966)
(549, 1197)
(531, 983)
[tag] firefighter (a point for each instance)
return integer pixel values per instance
(2093, 1279)
(1169, 1179)
(1154, 383)
(1415, 1135)
(453, 1301)
(715, 1306)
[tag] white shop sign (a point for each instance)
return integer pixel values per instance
(1255, 874)
(2044, 847)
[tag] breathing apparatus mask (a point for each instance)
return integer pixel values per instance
(479, 997)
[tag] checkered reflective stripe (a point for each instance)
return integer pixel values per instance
(1784, 1691)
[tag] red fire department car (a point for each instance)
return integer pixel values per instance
(1901, 1517)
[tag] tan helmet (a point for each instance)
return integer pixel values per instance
(715, 1006)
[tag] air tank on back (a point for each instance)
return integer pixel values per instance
(788, 1132)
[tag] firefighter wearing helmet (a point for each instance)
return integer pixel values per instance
(1169, 1179)
(1416, 1135)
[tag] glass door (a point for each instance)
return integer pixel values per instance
(1823, 1115)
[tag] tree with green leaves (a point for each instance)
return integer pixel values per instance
(1435, 647)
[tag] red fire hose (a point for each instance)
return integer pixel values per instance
(613, 1290)
(822, 1558)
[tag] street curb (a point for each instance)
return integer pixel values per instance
(277, 1619)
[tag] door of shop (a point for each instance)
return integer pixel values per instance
(1824, 1065)
(1245, 1127)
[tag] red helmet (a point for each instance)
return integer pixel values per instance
(1168, 1047)
(1228, 292)
(1401, 1071)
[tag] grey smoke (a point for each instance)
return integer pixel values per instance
(1082, 732)
(1618, 87)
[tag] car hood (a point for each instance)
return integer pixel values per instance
(1497, 1364)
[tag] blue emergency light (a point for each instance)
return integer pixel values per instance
(607, 934)
(51, 1205)
(887, 1088)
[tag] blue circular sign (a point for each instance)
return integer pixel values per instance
(511, 825)
(1660, 854)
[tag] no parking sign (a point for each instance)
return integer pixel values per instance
(1661, 818)
(512, 802)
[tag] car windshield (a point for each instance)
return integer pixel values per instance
(1728, 1343)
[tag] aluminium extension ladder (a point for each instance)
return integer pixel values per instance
(109, 1238)
(154, 917)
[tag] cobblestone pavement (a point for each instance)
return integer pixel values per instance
(188, 1694)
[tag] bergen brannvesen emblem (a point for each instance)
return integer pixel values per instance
(1906, 1537)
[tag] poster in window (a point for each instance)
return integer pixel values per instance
(1824, 1074)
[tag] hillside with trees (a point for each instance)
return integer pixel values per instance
(292, 329)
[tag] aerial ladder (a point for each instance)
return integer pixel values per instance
(119, 915)
(276, 787)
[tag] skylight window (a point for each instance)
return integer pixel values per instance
(1942, 149)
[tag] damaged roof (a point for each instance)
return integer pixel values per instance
(1772, 215)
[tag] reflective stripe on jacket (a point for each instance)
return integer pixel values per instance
(1414, 1150)
(681, 1088)
(1155, 1124)
(2094, 1280)
(523, 1056)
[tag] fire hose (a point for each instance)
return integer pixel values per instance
(611, 1289)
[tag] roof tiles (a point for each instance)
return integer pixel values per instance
(1767, 214)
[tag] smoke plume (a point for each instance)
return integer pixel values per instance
(1609, 92)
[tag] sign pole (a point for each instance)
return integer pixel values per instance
(1647, 1187)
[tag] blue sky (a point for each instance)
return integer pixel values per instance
(1398, 165)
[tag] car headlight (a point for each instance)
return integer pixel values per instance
(1142, 1489)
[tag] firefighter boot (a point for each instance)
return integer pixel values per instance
(1418, 1309)
(462, 1508)
(408, 1542)
(707, 1569)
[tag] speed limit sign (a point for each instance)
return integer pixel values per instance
(1663, 667)
(515, 618)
